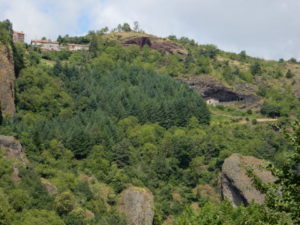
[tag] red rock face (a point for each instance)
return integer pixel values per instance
(140, 41)
(7, 78)
(165, 46)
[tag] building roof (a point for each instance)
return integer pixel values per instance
(18, 32)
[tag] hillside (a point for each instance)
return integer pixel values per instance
(122, 134)
(266, 88)
(254, 88)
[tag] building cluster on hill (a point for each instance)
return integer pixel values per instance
(47, 45)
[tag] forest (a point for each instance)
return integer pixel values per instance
(96, 122)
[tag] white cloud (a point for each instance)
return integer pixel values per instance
(264, 28)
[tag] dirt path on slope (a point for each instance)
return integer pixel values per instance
(264, 120)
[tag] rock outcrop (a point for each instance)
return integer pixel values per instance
(155, 43)
(13, 149)
(51, 188)
(210, 88)
(140, 41)
(237, 186)
(136, 204)
(7, 78)
(89, 214)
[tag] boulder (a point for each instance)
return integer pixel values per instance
(13, 149)
(136, 204)
(7, 78)
(237, 186)
(51, 188)
(89, 214)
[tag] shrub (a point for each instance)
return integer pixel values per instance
(289, 74)
(270, 110)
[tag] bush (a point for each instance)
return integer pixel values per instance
(254, 121)
(289, 74)
(255, 68)
(270, 110)
(38, 217)
(64, 203)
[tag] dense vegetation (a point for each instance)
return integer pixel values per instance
(93, 123)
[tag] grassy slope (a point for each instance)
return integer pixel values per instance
(268, 78)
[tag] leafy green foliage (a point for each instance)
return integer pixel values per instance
(224, 213)
(6, 32)
(270, 110)
(64, 203)
(37, 217)
(289, 74)
(255, 68)
(42, 93)
(288, 183)
(94, 122)
(6, 211)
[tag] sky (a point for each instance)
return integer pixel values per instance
(267, 29)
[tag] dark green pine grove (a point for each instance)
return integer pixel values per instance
(95, 122)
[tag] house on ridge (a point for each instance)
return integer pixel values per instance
(47, 45)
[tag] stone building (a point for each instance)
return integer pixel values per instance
(77, 47)
(18, 36)
(47, 45)
(212, 101)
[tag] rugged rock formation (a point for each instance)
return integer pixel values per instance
(140, 41)
(7, 78)
(156, 44)
(236, 184)
(13, 149)
(212, 89)
(89, 214)
(51, 189)
(137, 206)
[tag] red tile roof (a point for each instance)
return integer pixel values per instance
(18, 32)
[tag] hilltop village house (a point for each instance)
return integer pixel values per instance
(47, 45)
(18, 36)
(212, 101)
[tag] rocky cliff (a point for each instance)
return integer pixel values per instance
(13, 150)
(136, 204)
(209, 87)
(237, 186)
(7, 78)
(155, 43)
